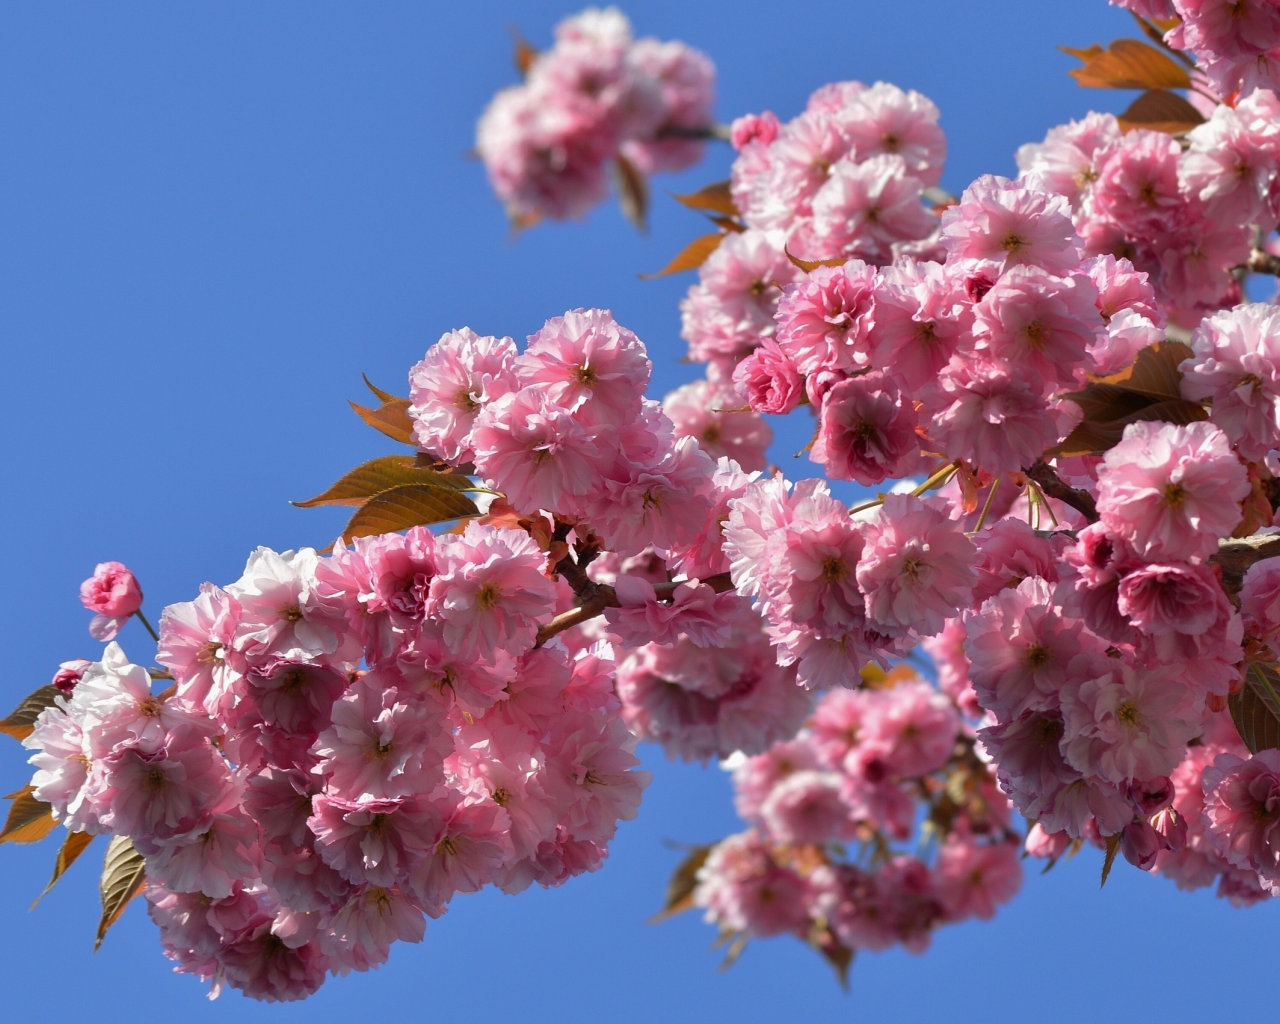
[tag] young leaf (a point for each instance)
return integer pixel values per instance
(29, 821)
(376, 476)
(1113, 847)
(633, 192)
(74, 845)
(123, 876)
(1127, 64)
(715, 197)
(523, 54)
(690, 257)
(683, 881)
(20, 722)
(1155, 372)
(383, 396)
(399, 508)
(1159, 110)
(809, 266)
(391, 418)
(1256, 708)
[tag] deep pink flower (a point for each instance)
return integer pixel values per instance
(113, 593)
(161, 793)
(374, 841)
(823, 322)
(1174, 598)
(1242, 810)
(743, 889)
(867, 431)
(807, 807)
(1260, 598)
(768, 381)
(921, 316)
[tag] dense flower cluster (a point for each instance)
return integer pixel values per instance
(827, 808)
(595, 96)
(1236, 43)
(844, 178)
(1184, 215)
(349, 741)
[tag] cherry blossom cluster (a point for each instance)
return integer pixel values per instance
(1187, 215)
(348, 742)
(595, 96)
(1236, 43)
(831, 810)
(844, 178)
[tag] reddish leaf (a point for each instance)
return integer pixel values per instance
(123, 876)
(1155, 372)
(809, 266)
(1113, 847)
(683, 881)
(399, 508)
(383, 396)
(391, 418)
(1256, 708)
(20, 722)
(1127, 64)
(523, 54)
(716, 198)
(29, 821)
(376, 476)
(690, 257)
(74, 845)
(633, 192)
(1159, 110)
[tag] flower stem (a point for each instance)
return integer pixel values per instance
(150, 629)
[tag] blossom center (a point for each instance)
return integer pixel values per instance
(464, 400)
(502, 796)
(155, 781)
(1036, 334)
(1175, 495)
(1127, 713)
(1038, 655)
(487, 596)
(291, 614)
(890, 142)
(209, 653)
(586, 376)
(1013, 242)
(834, 570)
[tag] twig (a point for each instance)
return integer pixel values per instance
(604, 596)
(1052, 486)
(719, 132)
(1262, 262)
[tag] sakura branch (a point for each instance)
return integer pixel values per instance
(353, 738)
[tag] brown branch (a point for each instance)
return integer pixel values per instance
(1052, 485)
(604, 596)
(1236, 554)
(719, 132)
(1263, 262)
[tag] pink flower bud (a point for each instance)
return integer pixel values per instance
(751, 127)
(112, 591)
(1140, 843)
(69, 673)
(1151, 795)
(1046, 845)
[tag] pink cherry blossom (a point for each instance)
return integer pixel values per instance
(1012, 224)
(113, 593)
(972, 879)
(1171, 491)
(714, 415)
(867, 431)
(823, 322)
(460, 374)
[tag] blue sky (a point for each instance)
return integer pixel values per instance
(213, 218)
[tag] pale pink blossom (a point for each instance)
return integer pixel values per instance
(1011, 224)
(164, 792)
(973, 879)
(460, 374)
(197, 646)
(921, 317)
(1173, 598)
(361, 933)
(1067, 161)
(883, 119)
(713, 414)
(114, 704)
(214, 860)
(376, 841)
(823, 321)
(863, 208)
(1260, 598)
(695, 610)
(916, 568)
(807, 807)
(1171, 491)
(1237, 365)
(743, 889)
(913, 726)
(471, 847)
(382, 743)
(491, 591)
(64, 777)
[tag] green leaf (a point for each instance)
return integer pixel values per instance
(399, 508)
(715, 197)
(29, 821)
(20, 722)
(391, 418)
(123, 876)
(376, 476)
(74, 845)
(691, 257)
(1256, 708)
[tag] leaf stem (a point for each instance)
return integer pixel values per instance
(143, 619)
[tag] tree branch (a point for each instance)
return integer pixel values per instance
(1263, 262)
(604, 596)
(1082, 501)
(719, 132)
